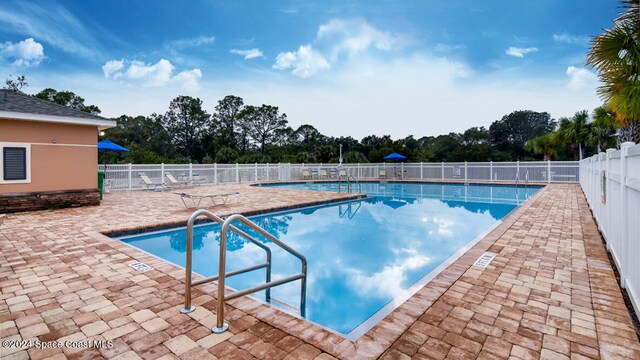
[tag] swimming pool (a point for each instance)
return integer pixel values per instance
(365, 257)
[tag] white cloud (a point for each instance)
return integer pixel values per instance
(353, 36)
(111, 69)
(519, 52)
(571, 39)
(26, 53)
(580, 78)
(191, 42)
(155, 75)
(248, 54)
(337, 37)
(305, 62)
(51, 23)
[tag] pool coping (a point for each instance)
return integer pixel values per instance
(377, 339)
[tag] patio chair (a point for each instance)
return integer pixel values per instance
(193, 201)
(144, 179)
(324, 174)
(197, 179)
(306, 175)
(382, 174)
(173, 181)
(342, 173)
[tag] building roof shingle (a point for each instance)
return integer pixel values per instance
(14, 105)
(22, 103)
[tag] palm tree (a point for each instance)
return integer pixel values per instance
(547, 145)
(575, 131)
(602, 129)
(616, 55)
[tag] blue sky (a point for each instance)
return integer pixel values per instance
(346, 67)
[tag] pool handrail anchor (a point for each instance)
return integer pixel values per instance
(221, 326)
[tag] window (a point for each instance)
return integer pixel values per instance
(15, 163)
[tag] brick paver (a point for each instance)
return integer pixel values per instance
(550, 293)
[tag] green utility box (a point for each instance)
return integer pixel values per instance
(101, 182)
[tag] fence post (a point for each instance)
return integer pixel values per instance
(442, 170)
(421, 170)
(548, 171)
(129, 176)
(359, 171)
(624, 214)
(215, 173)
(162, 173)
(607, 191)
(267, 171)
(517, 171)
(238, 173)
(491, 170)
(190, 174)
(256, 172)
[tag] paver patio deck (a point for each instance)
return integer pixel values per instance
(550, 293)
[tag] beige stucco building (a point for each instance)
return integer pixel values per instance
(48, 154)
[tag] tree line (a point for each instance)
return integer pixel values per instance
(237, 132)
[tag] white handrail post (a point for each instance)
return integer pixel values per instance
(548, 171)
(129, 176)
(190, 174)
(465, 173)
(238, 173)
(624, 214)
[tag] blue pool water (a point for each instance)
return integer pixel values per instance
(363, 256)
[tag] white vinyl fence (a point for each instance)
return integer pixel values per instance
(611, 183)
(127, 176)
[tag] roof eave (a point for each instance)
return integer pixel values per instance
(101, 124)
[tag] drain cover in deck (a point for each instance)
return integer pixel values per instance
(485, 259)
(142, 267)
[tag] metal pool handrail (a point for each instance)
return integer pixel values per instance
(221, 326)
(188, 267)
(349, 183)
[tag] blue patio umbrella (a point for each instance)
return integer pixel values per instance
(395, 156)
(106, 145)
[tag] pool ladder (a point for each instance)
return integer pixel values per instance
(349, 179)
(220, 325)
(526, 178)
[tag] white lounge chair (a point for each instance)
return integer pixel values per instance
(173, 181)
(382, 173)
(193, 201)
(144, 179)
(306, 175)
(324, 174)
